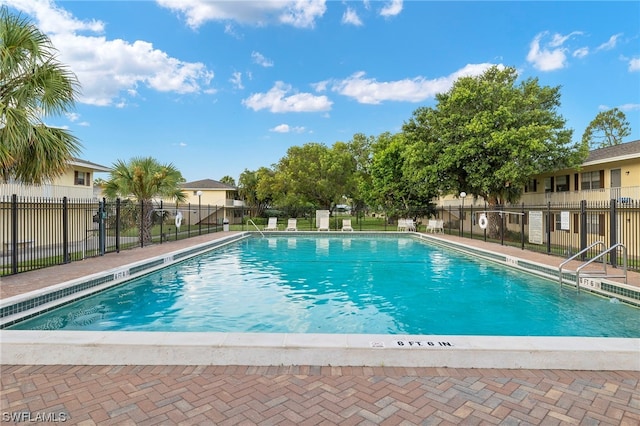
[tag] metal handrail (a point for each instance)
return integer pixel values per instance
(624, 264)
(574, 256)
(256, 226)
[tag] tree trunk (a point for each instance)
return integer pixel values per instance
(494, 220)
(146, 222)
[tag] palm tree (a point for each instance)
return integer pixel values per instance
(33, 85)
(144, 179)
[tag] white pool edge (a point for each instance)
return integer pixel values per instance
(266, 349)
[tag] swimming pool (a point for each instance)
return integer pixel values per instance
(343, 284)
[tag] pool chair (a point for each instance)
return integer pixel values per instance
(402, 224)
(346, 225)
(323, 224)
(410, 225)
(272, 225)
(292, 225)
(435, 225)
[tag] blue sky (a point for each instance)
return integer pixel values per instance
(219, 87)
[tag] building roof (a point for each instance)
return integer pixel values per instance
(619, 152)
(88, 164)
(207, 184)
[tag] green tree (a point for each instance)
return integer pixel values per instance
(228, 180)
(360, 148)
(488, 135)
(393, 187)
(314, 174)
(143, 179)
(607, 129)
(255, 188)
(33, 86)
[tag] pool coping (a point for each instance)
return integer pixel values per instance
(32, 347)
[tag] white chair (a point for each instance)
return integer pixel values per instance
(402, 224)
(323, 223)
(435, 225)
(272, 225)
(410, 225)
(292, 224)
(346, 225)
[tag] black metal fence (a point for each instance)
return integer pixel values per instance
(41, 232)
(556, 229)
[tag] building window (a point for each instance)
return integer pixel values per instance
(548, 184)
(531, 186)
(562, 183)
(81, 178)
(592, 180)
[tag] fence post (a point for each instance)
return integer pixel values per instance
(522, 228)
(118, 225)
(14, 234)
(65, 230)
(502, 224)
(613, 232)
(141, 224)
(548, 229)
(102, 214)
(471, 221)
(161, 221)
(583, 228)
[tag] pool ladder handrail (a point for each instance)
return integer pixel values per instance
(256, 226)
(602, 273)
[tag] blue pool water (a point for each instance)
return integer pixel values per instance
(343, 284)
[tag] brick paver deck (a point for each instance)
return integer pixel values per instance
(302, 395)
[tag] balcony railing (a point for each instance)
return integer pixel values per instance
(626, 194)
(49, 191)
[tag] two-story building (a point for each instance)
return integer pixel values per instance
(33, 221)
(210, 202)
(567, 209)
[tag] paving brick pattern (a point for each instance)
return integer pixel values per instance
(307, 395)
(303, 395)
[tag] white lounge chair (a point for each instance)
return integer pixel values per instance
(292, 224)
(435, 225)
(272, 225)
(323, 224)
(346, 225)
(410, 225)
(402, 224)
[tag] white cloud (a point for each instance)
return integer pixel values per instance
(629, 107)
(285, 128)
(298, 13)
(279, 99)
(581, 53)
(370, 91)
(550, 56)
(610, 44)
(108, 68)
(634, 64)
(392, 8)
(259, 59)
(236, 80)
(351, 17)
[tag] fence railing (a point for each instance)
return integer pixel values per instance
(561, 229)
(38, 232)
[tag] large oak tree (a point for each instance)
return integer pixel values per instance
(489, 134)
